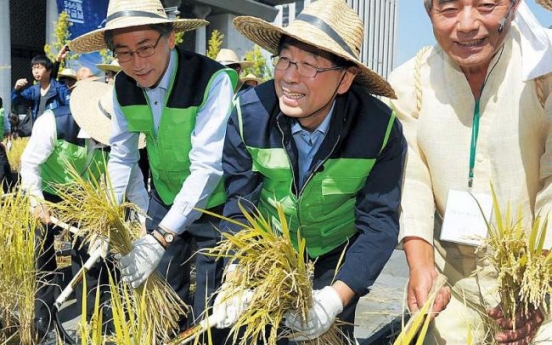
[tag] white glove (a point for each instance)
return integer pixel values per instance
(137, 266)
(98, 242)
(228, 308)
(326, 305)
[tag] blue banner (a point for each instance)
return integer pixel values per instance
(85, 16)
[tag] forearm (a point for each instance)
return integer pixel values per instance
(419, 253)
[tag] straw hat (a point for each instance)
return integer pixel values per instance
(251, 77)
(329, 25)
(129, 13)
(546, 4)
(68, 73)
(113, 66)
(228, 57)
(92, 107)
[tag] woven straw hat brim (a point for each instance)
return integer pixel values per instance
(268, 36)
(250, 77)
(108, 67)
(546, 4)
(94, 40)
(90, 100)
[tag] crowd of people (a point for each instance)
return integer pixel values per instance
(359, 165)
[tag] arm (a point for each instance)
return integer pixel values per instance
(242, 184)
(377, 221)
(205, 157)
(40, 146)
(123, 156)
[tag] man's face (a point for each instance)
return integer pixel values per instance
(467, 30)
(147, 71)
(110, 77)
(40, 73)
(308, 99)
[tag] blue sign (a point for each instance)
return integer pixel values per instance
(85, 16)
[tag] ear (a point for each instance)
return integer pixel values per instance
(172, 40)
(347, 81)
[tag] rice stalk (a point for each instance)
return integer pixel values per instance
(18, 279)
(92, 206)
(417, 325)
(14, 154)
(524, 268)
(278, 274)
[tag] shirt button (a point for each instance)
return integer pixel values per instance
(479, 158)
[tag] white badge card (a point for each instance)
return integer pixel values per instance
(464, 222)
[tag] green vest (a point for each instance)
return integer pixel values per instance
(168, 152)
(324, 211)
(54, 171)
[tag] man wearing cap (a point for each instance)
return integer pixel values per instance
(476, 111)
(68, 76)
(316, 141)
(181, 101)
(58, 137)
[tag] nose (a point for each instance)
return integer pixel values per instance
(291, 74)
(137, 62)
(468, 19)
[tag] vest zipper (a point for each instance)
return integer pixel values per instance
(319, 165)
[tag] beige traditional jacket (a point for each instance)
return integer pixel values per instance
(514, 149)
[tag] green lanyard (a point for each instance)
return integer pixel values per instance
(473, 145)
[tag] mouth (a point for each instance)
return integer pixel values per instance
(471, 43)
(293, 95)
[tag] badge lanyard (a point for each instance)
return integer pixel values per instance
(473, 144)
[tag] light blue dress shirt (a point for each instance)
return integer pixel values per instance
(205, 155)
(308, 144)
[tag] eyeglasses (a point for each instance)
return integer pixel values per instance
(304, 69)
(143, 52)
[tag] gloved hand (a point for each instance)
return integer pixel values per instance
(326, 305)
(98, 242)
(137, 266)
(230, 302)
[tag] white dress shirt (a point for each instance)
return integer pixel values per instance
(205, 156)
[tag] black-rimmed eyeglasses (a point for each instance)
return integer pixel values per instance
(282, 63)
(143, 52)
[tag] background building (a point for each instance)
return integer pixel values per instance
(27, 25)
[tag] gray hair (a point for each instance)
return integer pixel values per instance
(429, 4)
(164, 29)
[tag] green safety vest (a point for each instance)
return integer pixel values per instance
(168, 152)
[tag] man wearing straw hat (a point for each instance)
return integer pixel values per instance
(476, 110)
(61, 135)
(229, 58)
(110, 70)
(316, 141)
(181, 101)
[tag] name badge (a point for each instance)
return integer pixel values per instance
(465, 215)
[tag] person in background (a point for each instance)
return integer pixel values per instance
(84, 73)
(56, 138)
(46, 94)
(249, 81)
(229, 58)
(474, 113)
(181, 101)
(68, 76)
(110, 70)
(6, 179)
(317, 141)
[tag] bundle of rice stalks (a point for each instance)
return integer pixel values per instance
(524, 268)
(278, 274)
(18, 279)
(14, 153)
(92, 206)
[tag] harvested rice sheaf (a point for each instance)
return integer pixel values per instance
(278, 274)
(523, 267)
(91, 206)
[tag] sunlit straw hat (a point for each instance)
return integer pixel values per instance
(546, 4)
(329, 25)
(251, 77)
(129, 13)
(92, 107)
(68, 73)
(228, 57)
(113, 66)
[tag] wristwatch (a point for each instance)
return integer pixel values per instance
(167, 236)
